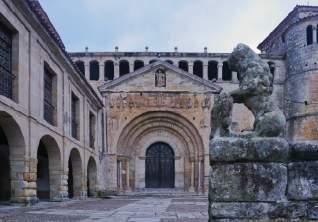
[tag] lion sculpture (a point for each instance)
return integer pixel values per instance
(255, 89)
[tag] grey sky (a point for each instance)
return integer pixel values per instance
(163, 24)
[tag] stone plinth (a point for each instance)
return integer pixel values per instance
(263, 179)
(248, 179)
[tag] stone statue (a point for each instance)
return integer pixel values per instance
(255, 89)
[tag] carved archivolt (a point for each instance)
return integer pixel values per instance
(165, 124)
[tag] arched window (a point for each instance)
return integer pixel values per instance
(138, 64)
(109, 70)
(152, 61)
(93, 70)
(81, 66)
(169, 61)
(213, 70)
(272, 69)
(184, 66)
(309, 35)
(226, 72)
(123, 67)
(198, 68)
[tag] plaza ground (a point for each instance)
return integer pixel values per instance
(132, 208)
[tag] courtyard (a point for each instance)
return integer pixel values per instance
(132, 208)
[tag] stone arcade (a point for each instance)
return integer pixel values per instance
(90, 123)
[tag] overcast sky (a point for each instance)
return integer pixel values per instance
(163, 24)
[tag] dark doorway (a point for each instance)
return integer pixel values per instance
(5, 182)
(43, 179)
(70, 179)
(160, 168)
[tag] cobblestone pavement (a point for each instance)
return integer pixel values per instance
(118, 209)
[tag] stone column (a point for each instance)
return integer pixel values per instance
(131, 67)
(191, 188)
(101, 72)
(116, 70)
(314, 32)
(220, 67)
(120, 176)
(190, 64)
(87, 70)
(205, 70)
(127, 175)
(234, 77)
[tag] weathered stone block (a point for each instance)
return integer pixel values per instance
(248, 182)
(303, 180)
(304, 151)
(248, 210)
(313, 211)
(253, 149)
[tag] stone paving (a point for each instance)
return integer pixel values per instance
(117, 209)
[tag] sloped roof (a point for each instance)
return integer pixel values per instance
(44, 19)
(293, 17)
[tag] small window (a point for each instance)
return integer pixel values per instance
(309, 35)
(153, 61)
(92, 130)
(123, 67)
(50, 95)
(226, 72)
(184, 66)
(169, 61)
(94, 70)
(109, 70)
(81, 66)
(75, 116)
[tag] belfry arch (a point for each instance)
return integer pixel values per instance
(165, 127)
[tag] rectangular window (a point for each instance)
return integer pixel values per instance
(75, 116)
(49, 95)
(6, 76)
(92, 125)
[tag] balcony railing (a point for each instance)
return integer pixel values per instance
(49, 110)
(6, 83)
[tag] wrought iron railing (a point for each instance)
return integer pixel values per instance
(6, 83)
(49, 110)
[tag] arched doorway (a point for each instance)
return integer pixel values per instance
(74, 174)
(12, 160)
(91, 178)
(48, 169)
(5, 181)
(160, 167)
(43, 180)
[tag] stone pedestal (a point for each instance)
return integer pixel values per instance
(248, 179)
(255, 180)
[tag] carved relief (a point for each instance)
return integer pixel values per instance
(160, 78)
(159, 100)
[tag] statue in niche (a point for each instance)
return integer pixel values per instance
(160, 78)
(255, 90)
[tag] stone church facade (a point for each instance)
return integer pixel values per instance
(84, 123)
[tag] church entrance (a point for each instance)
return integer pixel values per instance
(160, 167)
